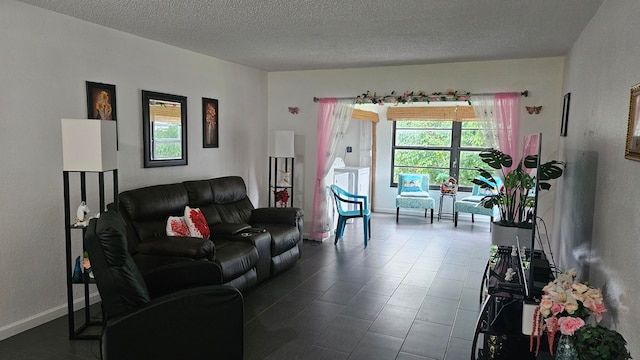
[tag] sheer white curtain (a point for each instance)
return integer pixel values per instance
(483, 108)
(507, 119)
(333, 120)
(365, 143)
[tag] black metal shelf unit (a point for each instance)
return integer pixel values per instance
(500, 318)
(277, 164)
(79, 333)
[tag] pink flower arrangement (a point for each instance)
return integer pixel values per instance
(564, 307)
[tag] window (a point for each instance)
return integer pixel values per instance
(437, 147)
(166, 141)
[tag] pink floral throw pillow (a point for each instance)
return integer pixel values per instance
(196, 223)
(176, 226)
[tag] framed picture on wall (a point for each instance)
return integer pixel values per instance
(209, 123)
(565, 114)
(164, 129)
(632, 148)
(101, 102)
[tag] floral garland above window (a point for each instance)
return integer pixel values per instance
(411, 96)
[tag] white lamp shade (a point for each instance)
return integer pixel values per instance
(89, 145)
(281, 144)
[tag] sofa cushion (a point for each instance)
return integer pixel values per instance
(415, 193)
(236, 213)
(176, 226)
(189, 247)
(228, 189)
(154, 202)
(147, 209)
(411, 183)
(222, 200)
(201, 196)
(228, 228)
(196, 223)
(473, 198)
(199, 192)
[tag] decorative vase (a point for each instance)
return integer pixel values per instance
(566, 350)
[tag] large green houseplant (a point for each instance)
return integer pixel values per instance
(516, 197)
(599, 342)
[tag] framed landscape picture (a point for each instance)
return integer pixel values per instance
(209, 123)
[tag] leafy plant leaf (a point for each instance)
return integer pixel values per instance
(496, 159)
(531, 161)
(550, 170)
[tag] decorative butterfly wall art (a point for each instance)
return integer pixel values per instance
(293, 110)
(533, 109)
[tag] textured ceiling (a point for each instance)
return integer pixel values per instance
(277, 35)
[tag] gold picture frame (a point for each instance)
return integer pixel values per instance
(632, 148)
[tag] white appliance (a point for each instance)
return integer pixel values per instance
(358, 179)
(340, 179)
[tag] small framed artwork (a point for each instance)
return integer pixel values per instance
(209, 123)
(101, 101)
(632, 148)
(565, 114)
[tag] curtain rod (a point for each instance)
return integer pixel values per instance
(523, 93)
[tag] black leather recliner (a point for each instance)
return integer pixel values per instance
(175, 312)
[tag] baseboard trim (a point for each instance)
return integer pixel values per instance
(44, 317)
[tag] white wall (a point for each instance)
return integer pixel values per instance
(597, 214)
(542, 77)
(44, 63)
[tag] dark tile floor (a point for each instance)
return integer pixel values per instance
(411, 294)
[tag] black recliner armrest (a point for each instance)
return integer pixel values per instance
(201, 323)
(189, 247)
(184, 275)
(227, 228)
(288, 216)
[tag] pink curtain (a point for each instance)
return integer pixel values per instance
(333, 120)
(326, 111)
(325, 117)
(507, 118)
(531, 147)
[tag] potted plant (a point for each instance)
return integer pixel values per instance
(599, 342)
(515, 199)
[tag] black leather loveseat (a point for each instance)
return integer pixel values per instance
(245, 254)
